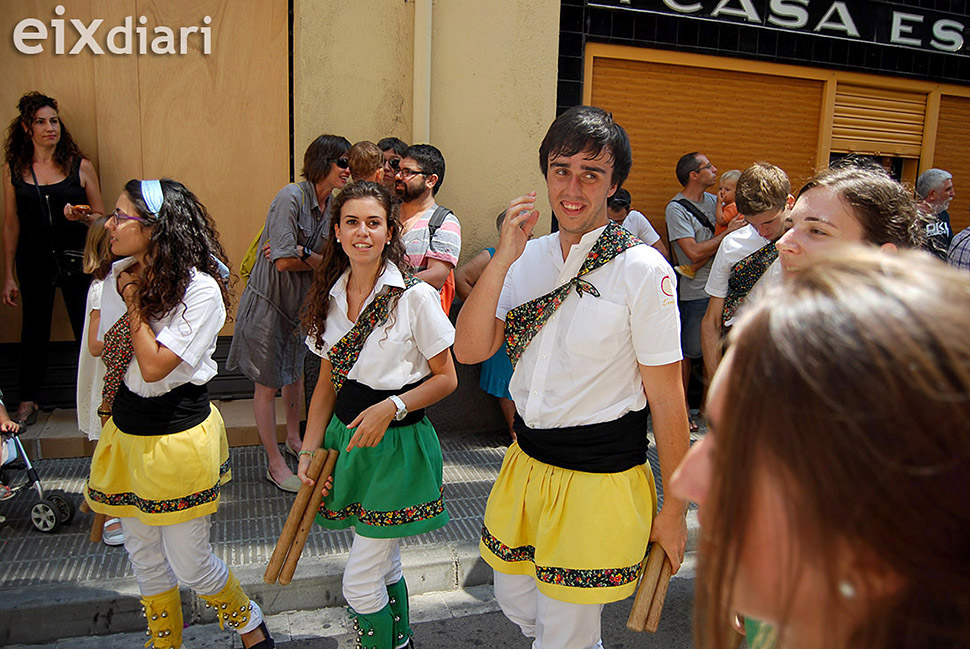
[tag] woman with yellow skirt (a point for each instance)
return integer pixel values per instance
(163, 456)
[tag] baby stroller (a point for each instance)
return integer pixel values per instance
(51, 509)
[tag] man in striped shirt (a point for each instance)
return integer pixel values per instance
(418, 179)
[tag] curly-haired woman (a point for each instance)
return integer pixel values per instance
(51, 195)
(163, 456)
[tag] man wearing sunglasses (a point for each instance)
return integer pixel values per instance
(431, 234)
(690, 229)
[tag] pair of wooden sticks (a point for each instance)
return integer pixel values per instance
(649, 601)
(289, 547)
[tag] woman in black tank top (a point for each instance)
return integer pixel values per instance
(51, 195)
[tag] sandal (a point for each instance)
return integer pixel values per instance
(289, 450)
(692, 424)
(6, 493)
(114, 536)
(26, 418)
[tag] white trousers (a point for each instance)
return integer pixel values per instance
(162, 556)
(374, 564)
(552, 624)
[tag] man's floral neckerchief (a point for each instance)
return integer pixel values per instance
(117, 356)
(345, 351)
(524, 321)
(744, 275)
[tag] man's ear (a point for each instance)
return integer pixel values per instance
(430, 181)
(889, 247)
(612, 191)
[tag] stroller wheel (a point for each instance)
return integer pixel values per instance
(65, 506)
(45, 516)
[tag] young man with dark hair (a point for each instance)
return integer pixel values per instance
(763, 197)
(634, 222)
(433, 244)
(590, 317)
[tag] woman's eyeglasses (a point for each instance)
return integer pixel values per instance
(118, 217)
(343, 163)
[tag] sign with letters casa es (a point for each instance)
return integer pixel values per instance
(884, 22)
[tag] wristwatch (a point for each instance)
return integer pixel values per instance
(305, 254)
(402, 410)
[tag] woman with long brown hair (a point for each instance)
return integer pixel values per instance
(163, 457)
(51, 195)
(385, 348)
(833, 485)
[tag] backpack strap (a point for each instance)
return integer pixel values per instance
(436, 220)
(699, 215)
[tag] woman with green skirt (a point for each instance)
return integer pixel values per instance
(384, 344)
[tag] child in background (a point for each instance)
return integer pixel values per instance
(97, 262)
(366, 162)
(726, 210)
(7, 448)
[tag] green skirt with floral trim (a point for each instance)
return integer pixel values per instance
(389, 490)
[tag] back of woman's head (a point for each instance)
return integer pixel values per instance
(850, 386)
(19, 146)
(885, 209)
(183, 237)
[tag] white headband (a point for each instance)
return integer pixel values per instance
(151, 193)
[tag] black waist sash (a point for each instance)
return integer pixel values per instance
(354, 398)
(607, 447)
(180, 409)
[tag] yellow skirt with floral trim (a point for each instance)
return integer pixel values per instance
(160, 479)
(581, 535)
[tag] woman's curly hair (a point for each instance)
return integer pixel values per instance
(183, 236)
(335, 260)
(19, 146)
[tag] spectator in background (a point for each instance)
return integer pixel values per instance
(959, 254)
(497, 369)
(934, 189)
(393, 149)
(366, 162)
(51, 195)
(726, 209)
(618, 209)
(433, 244)
(267, 344)
(690, 218)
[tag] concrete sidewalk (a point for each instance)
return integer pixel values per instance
(61, 585)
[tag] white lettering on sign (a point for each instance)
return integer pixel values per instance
(30, 36)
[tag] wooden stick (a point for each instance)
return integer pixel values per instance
(289, 566)
(657, 605)
(293, 520)
(652, 566)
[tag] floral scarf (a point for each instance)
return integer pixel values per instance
(524, 321)
(343, 355)
(744, 275)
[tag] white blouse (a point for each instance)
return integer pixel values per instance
(583, 365)
(395, 354)
(189, 330)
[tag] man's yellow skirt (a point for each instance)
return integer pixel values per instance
(581, 535)
(160, 479)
